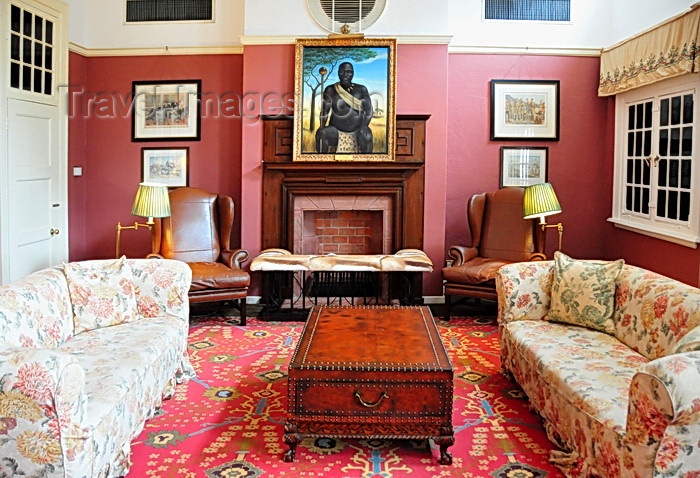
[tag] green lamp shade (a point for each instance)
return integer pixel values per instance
(151, 200)
(540, 201)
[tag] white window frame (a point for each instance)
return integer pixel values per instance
(687, 234)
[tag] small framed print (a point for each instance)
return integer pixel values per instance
(166, 110)
(166, 165)
(523, 166)
(525, 110)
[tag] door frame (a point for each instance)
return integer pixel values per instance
(59, 100)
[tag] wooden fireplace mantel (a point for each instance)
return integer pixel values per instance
(402, 180)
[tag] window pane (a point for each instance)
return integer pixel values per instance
(14, 75)
(26, 78)
(640, 116)
(27, 51)
(48, 83)
(663, 142)
(687, 141)
(673, 173)
(38, 28)
(630, 170)
(630, 117)
(638, 143)
(647, 114)
(685, 206)
(27, 30)
(663, 172)
(661, 203)
(15, 16)
(637, 200)
(49, 58)
(637, 171)
(685, 173)
(630, 144)
(647, 143)
(663, 113)
(646, 174)
(37, 80)
(38, 57)
(675, 142)
(645, 201)
(672, 205)
(676, 110)
(14, 47)
(628, 198)
(49, 32)
(688, 109)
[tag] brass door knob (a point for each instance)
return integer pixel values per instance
(54, 232)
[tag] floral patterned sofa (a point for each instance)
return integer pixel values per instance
(88, 351)
(620, 397)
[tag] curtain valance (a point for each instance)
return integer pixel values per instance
(664, 51)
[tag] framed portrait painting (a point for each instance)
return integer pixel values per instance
(523, 166)
(166, 110)
(525, 110)
(168, 166)
(344, 93)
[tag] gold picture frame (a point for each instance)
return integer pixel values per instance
(359, 113)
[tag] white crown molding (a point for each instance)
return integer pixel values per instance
(507, 50)
(291, 40)
(168, 50)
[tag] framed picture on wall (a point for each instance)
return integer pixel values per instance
(525, 110)
(345, 106)
(523, 166)
(166, 110)
(166, 165)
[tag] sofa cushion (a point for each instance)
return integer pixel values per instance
(589, 369)
(583, 292)
(102, 293)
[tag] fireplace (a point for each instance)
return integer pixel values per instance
(383, 200)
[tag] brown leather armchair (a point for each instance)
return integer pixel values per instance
(198, 232)
(500, 236)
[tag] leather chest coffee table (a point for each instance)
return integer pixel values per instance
(370, 372)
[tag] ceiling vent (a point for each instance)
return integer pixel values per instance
(358, 15)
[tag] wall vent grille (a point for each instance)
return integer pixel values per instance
(358, 15)
(139, 11)
(532, 10)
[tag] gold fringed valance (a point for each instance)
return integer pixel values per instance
(664, 51)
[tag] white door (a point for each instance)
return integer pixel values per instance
(33, 125)
(36, 224)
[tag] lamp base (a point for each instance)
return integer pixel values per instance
(560, 230)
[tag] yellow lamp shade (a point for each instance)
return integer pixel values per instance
(152, 200)
(540, 201)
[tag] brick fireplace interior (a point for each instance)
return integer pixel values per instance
(331, 224)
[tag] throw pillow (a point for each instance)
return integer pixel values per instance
(583, 292)
(102, 293)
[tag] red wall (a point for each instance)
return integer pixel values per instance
(461, 160)
(578, 164)
(100, 142)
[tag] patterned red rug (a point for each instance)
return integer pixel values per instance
(229, 421)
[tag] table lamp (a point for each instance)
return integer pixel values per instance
(152, 200)
(540, 201)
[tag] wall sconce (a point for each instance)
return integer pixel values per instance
(152, 200)
(540, 201)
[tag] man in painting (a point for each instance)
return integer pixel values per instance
(350, 109)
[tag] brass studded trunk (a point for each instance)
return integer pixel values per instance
(370, 372)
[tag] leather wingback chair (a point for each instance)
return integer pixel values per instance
(500, 236)
(198, 232)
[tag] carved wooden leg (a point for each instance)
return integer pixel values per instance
(292, 439)
(444, 442)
